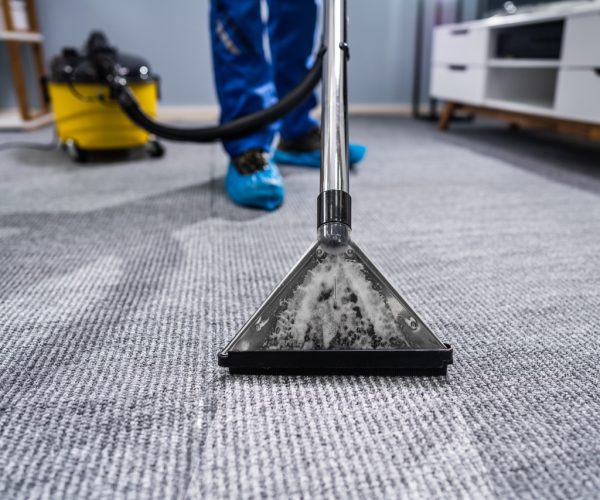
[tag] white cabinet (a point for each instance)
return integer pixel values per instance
(460, 83)
(459, 56)
(457, 44)
(578, 95)
(541, 62)
(581, 43)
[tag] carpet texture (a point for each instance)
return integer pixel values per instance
(120, 282)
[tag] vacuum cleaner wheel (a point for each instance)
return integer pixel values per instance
(155, 149)
(76, 154)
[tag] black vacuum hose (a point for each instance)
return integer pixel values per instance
(232, 130)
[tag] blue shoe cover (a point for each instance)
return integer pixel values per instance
(357, 153)
(313, 158)
(263, 189)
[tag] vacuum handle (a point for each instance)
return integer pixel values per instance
(334, 119)
(334, 217)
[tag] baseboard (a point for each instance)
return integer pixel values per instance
(211, 113)
(189, 113)
(387, 109)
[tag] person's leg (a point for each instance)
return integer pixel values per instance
(292, 25)
(244, 83)
(292, 32)
(243, 76)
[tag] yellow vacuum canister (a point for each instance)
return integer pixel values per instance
(87, 119)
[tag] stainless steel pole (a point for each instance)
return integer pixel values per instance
(334, 123)
(334, 210)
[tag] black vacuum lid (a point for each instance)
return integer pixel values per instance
(78, 65)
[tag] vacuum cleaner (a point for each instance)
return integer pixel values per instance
(87, 119)
(334, 312)
(104, 100)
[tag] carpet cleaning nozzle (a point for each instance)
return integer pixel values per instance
(335, 312)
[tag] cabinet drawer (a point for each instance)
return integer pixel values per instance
(577, 95)
(581, 43)
(460, 83)
(460, 45)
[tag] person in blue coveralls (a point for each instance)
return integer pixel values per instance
(248, 80)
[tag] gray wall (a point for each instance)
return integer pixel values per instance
(173, 36)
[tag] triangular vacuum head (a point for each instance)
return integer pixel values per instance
(335, 313)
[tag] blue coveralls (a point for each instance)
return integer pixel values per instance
(246, 79)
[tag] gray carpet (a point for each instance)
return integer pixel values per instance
(119, 283)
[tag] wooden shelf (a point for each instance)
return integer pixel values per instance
(10, 119)
(21, 36)
(15, 40)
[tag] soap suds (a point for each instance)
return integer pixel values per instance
(337, 307)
